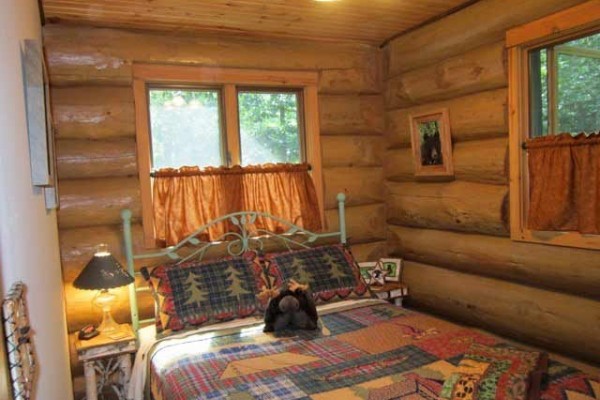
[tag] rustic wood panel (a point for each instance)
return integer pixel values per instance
(361, 185)
(476, 116)
(352, 151)
(364, 224)
(94, 202)
(481, 161)
(90, 112)
(95, 158)
(84, 55)
(483, 68)
(366, 80)
(456, 206)
(464, 31)
(343, 20)
(369, 251)
(557, 321)
(351, 114)
(572, 271)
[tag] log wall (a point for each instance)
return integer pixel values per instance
(93, 110)
(455, 234)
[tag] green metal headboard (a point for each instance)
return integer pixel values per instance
(237, 243)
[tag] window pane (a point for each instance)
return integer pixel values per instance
(538, 84)
(269, 128)
(564, 86)
(186, 128)
(579, 85)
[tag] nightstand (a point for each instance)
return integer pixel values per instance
(394, 292)
(107, 362)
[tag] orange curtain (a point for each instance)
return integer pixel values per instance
(564, 183)
(189, 197)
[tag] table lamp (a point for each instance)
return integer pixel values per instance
(103, 272)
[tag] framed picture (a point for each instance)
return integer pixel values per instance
(393, 268)
(365, 270)
(39, 121)
(431, 143)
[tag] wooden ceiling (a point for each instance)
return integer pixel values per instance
(368, 21)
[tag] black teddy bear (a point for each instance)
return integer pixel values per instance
(293, 308)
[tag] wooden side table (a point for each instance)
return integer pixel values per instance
(394, 292)
(105, 357)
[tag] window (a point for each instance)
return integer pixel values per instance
(199, 116)
(554, 82)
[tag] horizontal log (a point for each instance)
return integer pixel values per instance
(369, 251)
(480, 69)
(573, 271)
(481, 161)
(86, 55)
(356, 80)
(95, 158)
(90, 112)
(361, 185)
(94, 202)
(464, 30)
(352, 151)
(363, 223)
(351, 114)
(553, 320)
(456, 206)
(476, 116)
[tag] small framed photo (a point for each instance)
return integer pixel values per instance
(431, 144)
(365, 270)
(392, 267)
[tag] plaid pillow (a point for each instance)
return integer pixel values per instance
(203, 293)
(496, 373)
(331, 272)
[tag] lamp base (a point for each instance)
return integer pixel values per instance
(104, 300)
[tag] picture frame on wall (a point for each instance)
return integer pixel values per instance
(39, 121)
(432, 144)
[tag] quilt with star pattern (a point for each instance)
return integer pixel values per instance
(375, 351)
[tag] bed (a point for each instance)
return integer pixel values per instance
(364, 348)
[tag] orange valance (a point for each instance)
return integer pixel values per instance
(564, 183)
(189, 197)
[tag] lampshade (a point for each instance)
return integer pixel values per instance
(102, 272)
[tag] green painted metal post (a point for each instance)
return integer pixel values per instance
(135, 319)
(341, 198)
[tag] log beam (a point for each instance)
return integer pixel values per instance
(96, 158)
(352, 151)
(476, 116)
(554, 320)
(90, 112)
(456, 206)
(361, 186)
(573, 271)
(462, 31)
(481, 69)
(95, 202)
(364, 224)
(351, 114)
(87, 55)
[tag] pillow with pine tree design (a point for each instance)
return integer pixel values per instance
(331, 272)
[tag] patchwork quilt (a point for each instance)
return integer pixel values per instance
(375, 351)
